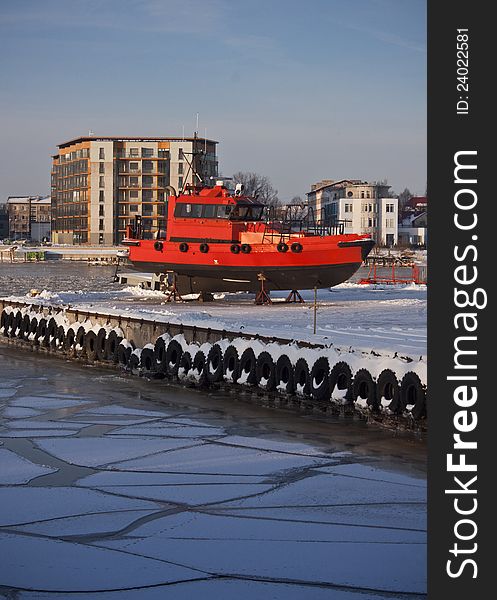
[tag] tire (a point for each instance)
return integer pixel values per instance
(79, 341)
(91, 346)
(185, 366)
(41, 331)
(265, 374)
(235, 248)
(147, 360)
(173, 357)
(60, 338)
(246, 248)
(248, 365)
(160, 351)
(302, 378)
(49, 339)
(341, 378)
(111, 346)
(231, 364)
(204, 248)
(282, 247)
(285, 379)
(101, 344)
(198, 368)
(158, 246)
(24, 330)
(124, 354)
(16, 321)
(412, 393)
(320, 379)
(296, 247)
(387, 386)
(33, 328)
(4, 322)
(134, 361)
(183, 247)
(214, 364)
(364, 387)
(69, 341)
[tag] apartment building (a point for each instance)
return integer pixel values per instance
(99, 184)
(363, 207)
(4, 221)
(29, 217)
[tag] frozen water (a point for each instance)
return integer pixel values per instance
(16, 469)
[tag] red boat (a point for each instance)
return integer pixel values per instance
(215, 240)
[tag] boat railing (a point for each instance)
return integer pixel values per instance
(283, 222)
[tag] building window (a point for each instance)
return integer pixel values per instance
(180, 154)
(362, 194)
(101, 210)
(101, 167)
(133, 181)
(367, 194)
(133, 193)
(133, 152)
(147, 181)
(147, 196)
(390, 208)
(133, 208)
(147, 152)
(101, 154)
(180, 168)
(180, 182)
(348, 208)
(349, 194)
(101, 225)
(100, 238)
(102, 182)
(133, 166)
(101, 196)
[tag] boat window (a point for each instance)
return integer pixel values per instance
(206, 211)
(223, 211)
(246, 213)
(209, 211)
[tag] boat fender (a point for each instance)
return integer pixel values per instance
(41, 332)
(49, 339)
(80, 340)
(413, 394)
(60, 338)
(266, 372)
(285, 374)
(282, 247)
(214, 369)
(111, 346)
(231, 364)
(133, 362)
(24, 330)
(4, 321)
(248, 366)
(185, 365)
(387, 387)
(33, 327)
(91, 346)
(69, 339)
(246, 248)
(147, 360)
(235, 248)
(160, 350)
(158, 246)
(204, 248)
(173, 356)
(364, 387)
(320, 379)
(183, 247)
(341, 378)
(296, 247)
(124, 354)
(198, 368)
(302, 377)
(101, 343)
(16, 321)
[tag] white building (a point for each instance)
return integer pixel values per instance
(413, 230)
(363, 207)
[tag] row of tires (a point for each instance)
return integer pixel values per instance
(224, 362)
(235, 248)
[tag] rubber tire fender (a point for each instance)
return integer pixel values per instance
(248, 364)
(24, 330)
(91, 346)
(265, 369)
(101, 343)
(387, 386)
(173, 356)
(285, 374)
(52, 329)
(16, 321)
(112, 345)
(158, 246)
(214, 364)
(134, 361)
(282, 247)
(235, 248)
(33, 328)
(204, 248)
(4, 322)
(246, 248)
(69, 341)
(413, 393)
(147, 360)
(185, 366)
(199, 368)
(302, 377)
(296, 247)
(80, 340)
(41, 331)
(231, 364)
(160, 351)
(363, 383)
(60, 338)
(320, 379)
(341, 377)
(124, 354)
(183, 247)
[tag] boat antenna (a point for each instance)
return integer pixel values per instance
(196, 127)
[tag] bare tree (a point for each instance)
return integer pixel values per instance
(257, 186)
(404, 198)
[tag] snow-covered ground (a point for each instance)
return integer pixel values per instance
(383, 318)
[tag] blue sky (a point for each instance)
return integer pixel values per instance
(297, 91)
